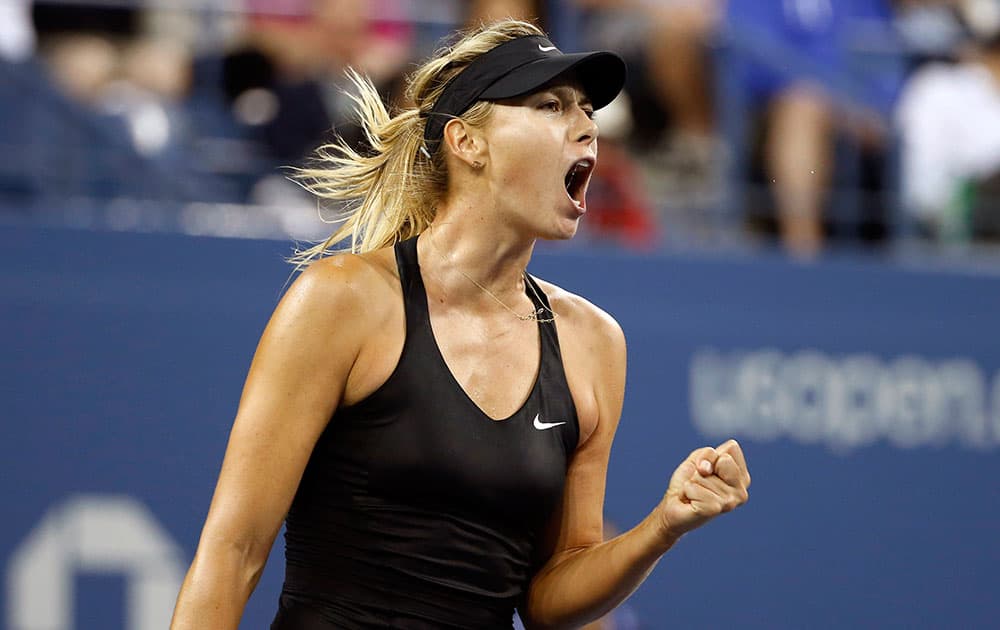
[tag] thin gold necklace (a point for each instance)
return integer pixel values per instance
(534, 316)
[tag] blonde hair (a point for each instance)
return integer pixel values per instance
(390, 192)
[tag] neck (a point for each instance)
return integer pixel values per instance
(496, 264)
(467, 245)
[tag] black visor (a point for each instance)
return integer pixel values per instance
(518, 67)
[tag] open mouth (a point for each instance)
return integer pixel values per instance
(576, 180)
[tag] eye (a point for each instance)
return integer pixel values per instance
(552, 106)
(589, 112)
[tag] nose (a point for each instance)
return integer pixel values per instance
(587, 130)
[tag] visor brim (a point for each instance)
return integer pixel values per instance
(600, 74)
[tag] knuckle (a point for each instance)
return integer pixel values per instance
(706, 452)
(729, 473)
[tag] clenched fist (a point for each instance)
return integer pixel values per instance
(709, 482)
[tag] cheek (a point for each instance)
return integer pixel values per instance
(527, 175)
(532, 155)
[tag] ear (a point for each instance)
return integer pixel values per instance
(465, 142)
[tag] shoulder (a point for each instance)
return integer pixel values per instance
(583, 319)
(347, 272)
(346, 277)
(345, 289)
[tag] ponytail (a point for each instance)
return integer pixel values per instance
(391, 192)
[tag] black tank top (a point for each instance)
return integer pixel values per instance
(417, 510)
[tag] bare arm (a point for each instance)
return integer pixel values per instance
(586, 577)
(296, 381)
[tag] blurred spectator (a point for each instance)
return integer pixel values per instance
(928, 29)
(79, 44)
(949, 120)
(486, 11)
(273, 81)
(279, 84)
(102, 115)
(17, 37)
(793, 62)
(119, 104)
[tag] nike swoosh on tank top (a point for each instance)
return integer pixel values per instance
(416, 510)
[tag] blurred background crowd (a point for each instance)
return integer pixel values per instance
(809, 126)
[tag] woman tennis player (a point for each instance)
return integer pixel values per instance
(432, 423)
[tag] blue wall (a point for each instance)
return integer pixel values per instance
(867, 400)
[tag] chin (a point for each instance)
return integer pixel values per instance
(562, 232)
